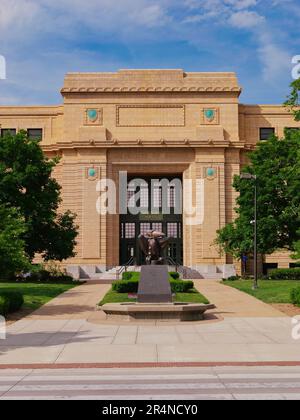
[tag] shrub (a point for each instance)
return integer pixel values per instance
(53, 268)
(233, 278)
(11, 302)
(296, 265)
(285, 274)
(126, 286)
(131, 286)
(4, 305)
(175, 276)
(42, 275)
(127, 275)
(181, 286)
(295, 296)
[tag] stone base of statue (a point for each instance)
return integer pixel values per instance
(154, 284)
(152, 312)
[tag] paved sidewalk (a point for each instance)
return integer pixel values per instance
(68, 330)
(77, 303)
(231, 302)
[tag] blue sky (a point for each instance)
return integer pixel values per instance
(44, 39)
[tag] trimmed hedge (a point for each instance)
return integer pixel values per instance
(181, 286)
(295, 296)
(285, 274)
(10, 302)
(131, 275)
(131, 286)
(127, 275)
(126, 286)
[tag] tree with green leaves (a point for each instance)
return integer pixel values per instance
(293, 104)
(293, 100)
(13, 258)
(276, 164)
(26, 183)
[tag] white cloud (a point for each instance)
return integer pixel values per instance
(27, 18)
(246, 19)
(276, 61)
(28, 28)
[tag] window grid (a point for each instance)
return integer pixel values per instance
(5, 131)
(171, 197)
(144, 228)
(266, 133)
(35, 133)
(157, 227)
(173, 230)
(129, 230)
(144, 197)
(130, 198)
(157, 197)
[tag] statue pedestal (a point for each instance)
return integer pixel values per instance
(154, 285)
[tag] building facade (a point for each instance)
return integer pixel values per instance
(151, 124)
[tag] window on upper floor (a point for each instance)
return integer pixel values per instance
(266, 133)
(35, 133)
(5, 131)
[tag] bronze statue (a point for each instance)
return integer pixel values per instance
(152, 244)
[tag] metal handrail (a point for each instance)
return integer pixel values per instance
(173, 263)
(124, 267)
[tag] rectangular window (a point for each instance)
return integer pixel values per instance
(266, 133)
(131, 198)
(157, 197)
(11, 131)
(173, 230)
(130, 231)
(145, 228)
(171, 197)
(35, 133)
(157, 226)
(144, 194)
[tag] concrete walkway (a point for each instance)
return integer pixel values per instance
(231, 302)
(68, 330)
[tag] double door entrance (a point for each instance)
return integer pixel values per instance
(130, 231)
(131, 226)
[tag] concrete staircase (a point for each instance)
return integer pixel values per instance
(208, 272)
(101, 274)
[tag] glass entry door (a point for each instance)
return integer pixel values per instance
(130, 232)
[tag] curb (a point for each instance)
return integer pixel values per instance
(145, 365)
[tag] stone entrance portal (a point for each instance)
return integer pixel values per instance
(131, 226)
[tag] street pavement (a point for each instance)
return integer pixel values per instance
(218, 383)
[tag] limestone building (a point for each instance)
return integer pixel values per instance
(153, 124)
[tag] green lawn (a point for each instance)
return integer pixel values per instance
(36, 294)
(192, 297)
(115, 297)
(269, 291)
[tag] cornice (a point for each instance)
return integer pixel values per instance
(151, 89)
(162, 143)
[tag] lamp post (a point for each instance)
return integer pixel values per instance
(254, 178)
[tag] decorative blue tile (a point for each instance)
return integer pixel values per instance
(92, 172)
